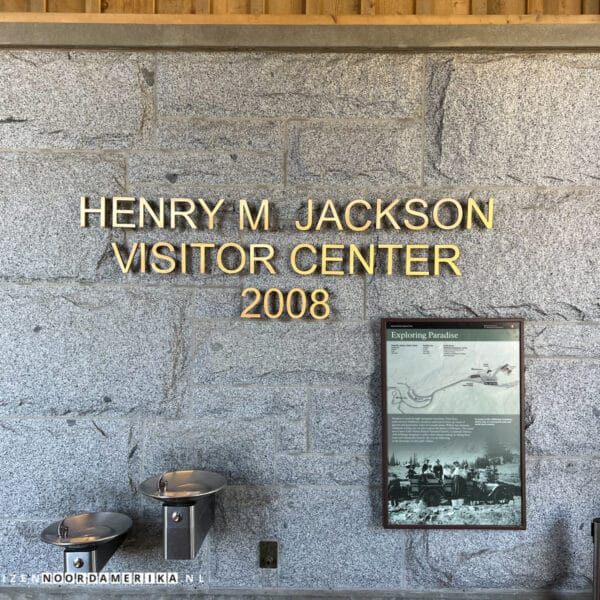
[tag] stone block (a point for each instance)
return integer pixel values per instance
(245, 515)
(484, 128)
(86, 350)
(345, 420)
(241, 450)
(260, 136)
(40, 236)
(76, 99)
(293, 436)
(333, 538)
(281, 353)
(354, 153)
(23, 555)
(562, 398)
(580, 340)
(323, 469)
(210, 168)
(293, 84)
(72, 465)
(246, 402)
(505, 271)
(554, 552)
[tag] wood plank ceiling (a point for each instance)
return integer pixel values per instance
(301, 9)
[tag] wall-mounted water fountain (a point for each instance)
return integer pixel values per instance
(188, 499)
(89, 539)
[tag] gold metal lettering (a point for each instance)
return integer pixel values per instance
(124, 266)
(255, 258)
(143, 257)
(159, 219)
(410, 259)
(449, 260)
(160, 256)
(390, 255)
(422, 215)
(116, 211)
(184, 258)
(367, 264)
(175, 212)
(242, 260)
(325, 218)
(348, 215)
(326, 259)
(486, 221)
(385, 212)
(202, 248)
(436, 213)
(246, 214)
(84, 211)
(211, 213)
(309, 217)
(293, 255)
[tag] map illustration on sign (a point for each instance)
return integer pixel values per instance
(453, 439)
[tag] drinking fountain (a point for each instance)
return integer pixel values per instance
(89, 539)
(188, 500)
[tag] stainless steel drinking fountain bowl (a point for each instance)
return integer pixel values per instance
(89, 539)
(188, 499)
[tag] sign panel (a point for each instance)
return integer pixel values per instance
(453, 423)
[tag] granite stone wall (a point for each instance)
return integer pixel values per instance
(110, 378)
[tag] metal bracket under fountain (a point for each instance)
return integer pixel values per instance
(89, 539)
(188, 499)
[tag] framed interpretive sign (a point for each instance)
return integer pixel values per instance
(453, 440)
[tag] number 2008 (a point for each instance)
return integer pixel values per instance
(296, 304)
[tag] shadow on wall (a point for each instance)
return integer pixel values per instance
(376, 449)
(559, 553)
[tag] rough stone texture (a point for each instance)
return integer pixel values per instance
(281, 353)
(29, 554)
(214, 168)
(40, 236)
(347, 547)
(245, 515)
(519, 558)
(246, 402)
(354, 153)
(529, 128)
(77, 351)
(50, 482)
(257, 84)
(109, 378)
(256, 136)
(578, 340)
(506, 271)
(562, 397)
(335, 412)
(293, 436)
(323, 469)
(59, 99)
(238, 448)
(342, 533)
